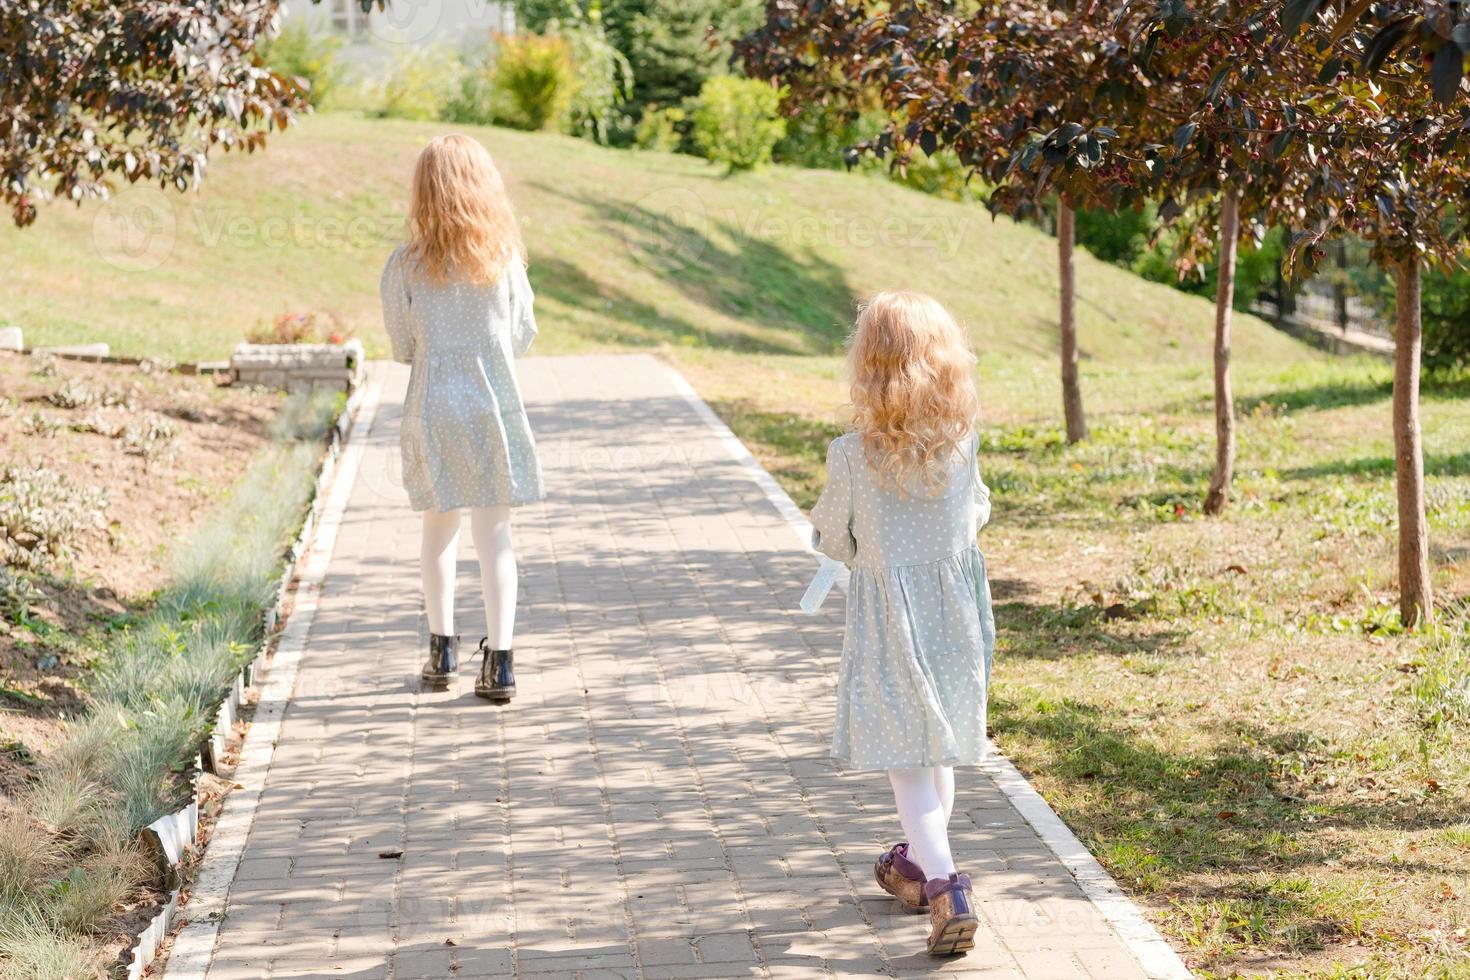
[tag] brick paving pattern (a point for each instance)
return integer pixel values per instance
(657, 802)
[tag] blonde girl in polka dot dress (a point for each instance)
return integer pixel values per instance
(457, 306)
(902, 506)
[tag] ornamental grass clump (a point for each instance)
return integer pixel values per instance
(70, 852)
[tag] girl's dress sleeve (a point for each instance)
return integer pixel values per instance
(832, 516)
(982, 492)
(522, 313)
(393, 289)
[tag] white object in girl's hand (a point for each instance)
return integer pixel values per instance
(821, 584)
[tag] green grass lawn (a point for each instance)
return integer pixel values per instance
(1224, 710)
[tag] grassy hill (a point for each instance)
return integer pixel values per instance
(627, 249)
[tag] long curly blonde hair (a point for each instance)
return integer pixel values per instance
(913, 387)
(460, 222)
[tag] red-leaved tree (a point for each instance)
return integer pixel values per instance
(131, 90)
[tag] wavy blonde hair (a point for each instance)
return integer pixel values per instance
(460, 222)
(913, 387)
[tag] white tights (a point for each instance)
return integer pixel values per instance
(490, 529)
(925, 799)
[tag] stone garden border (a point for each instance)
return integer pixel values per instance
(172, 836)
(283, 366)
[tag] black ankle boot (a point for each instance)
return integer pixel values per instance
(497, 680)
(443, 660)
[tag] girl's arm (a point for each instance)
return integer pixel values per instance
(393, 290)
(522, 315)
(982, 492)
(832, 516)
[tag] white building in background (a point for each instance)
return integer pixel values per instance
(427, 22)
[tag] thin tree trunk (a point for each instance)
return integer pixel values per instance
(1219, 493)
(1416, 601)
(1071, 389)
(1339, 286)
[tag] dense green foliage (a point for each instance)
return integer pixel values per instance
(737, 122)
(1120, 237)
(1135, 240)
(673, 45)
(819, 134)
(309, 56)
(661, 128)
(420, 81)
(1445, 304)
(677, 44)
(473, 101)
(532, 79)
(603, 81)
(131, 90)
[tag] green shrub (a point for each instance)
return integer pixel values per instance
(818, 135)
(674, 45)
(1445, 313)
(419, 84)
(821, 136)
(604, 80)
(302, 52)
(1255, 272)
(1120, 237)
(532, 80)
(1116, 238)
(473, 101)
(736, 121)
(661, 128)
(942, 175)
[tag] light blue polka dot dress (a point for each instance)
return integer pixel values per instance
(911, 690)
(465, 438)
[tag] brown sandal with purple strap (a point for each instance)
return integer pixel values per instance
(900, 877)
(951, 915)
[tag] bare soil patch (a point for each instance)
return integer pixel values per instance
(161, 447)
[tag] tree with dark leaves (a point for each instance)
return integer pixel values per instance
(132, 90)
(1224, 113)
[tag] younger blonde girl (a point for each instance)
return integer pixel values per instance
(902, 506)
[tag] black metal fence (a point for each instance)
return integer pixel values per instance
(1348, 295)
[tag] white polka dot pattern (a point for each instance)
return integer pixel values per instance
(465, 439)
(912, 687)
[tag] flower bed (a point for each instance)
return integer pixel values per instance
(106, 818)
